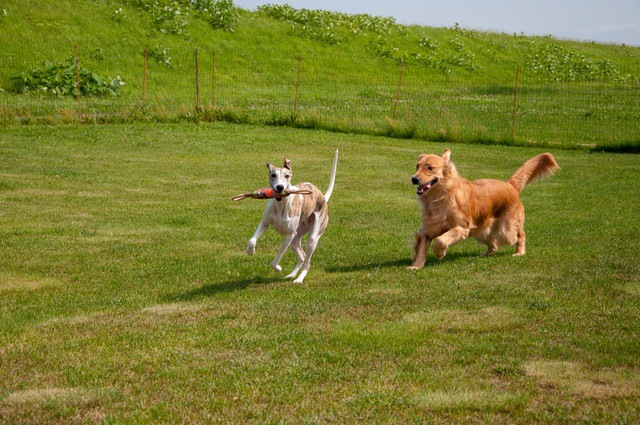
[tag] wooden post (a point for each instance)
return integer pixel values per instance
(78, 84)
(395, 107)
(144, 78)
(295, 101)
(197, 84)
(213, 82)
(515, 107)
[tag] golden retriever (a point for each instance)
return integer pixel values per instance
(454, 208)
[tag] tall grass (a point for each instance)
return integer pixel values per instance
(126, 296)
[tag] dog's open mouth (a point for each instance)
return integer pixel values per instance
(424, 188)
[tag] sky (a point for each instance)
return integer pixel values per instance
(605, 21)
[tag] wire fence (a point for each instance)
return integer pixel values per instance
(402, 100)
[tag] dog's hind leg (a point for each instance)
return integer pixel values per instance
(296, 246)
(314, 237)
(492, 248)
(520, 243)
(312, 243)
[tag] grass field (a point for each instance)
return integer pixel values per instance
(126, 296)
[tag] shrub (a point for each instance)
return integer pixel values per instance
(220, 14)
(61, 80)
(559, 64)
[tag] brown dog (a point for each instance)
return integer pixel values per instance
(454, 208)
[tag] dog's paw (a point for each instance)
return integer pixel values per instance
(300, 278)
(251, 249)
(291, 275)
(276, 267)
(414, 267)
(439, 249)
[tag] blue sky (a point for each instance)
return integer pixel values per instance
(607, 21)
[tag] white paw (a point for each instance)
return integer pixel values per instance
(300, 278)
(276, 267)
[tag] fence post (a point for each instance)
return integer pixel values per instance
(395, 107)
(295, 101)
(213, 82)
(515, 107)
(197, 83)
(144, 78)
(78, 84)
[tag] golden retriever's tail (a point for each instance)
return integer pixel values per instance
(536, 168)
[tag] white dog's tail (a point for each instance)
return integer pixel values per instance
(327, 195)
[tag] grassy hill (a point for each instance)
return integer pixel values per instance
(457, 84)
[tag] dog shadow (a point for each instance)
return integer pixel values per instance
(401, 263)
(222, 287)
(213, 289)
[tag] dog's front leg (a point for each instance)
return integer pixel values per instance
(251, 246)
(275, 263)
(444, 241)
(421, 247)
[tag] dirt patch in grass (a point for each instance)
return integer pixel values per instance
(578, 379)
(13, 282)
(174, 308)
(44, 405)
(488, 319)
(460, 400)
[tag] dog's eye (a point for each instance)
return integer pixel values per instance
(287, 176)
(430, 168)
(273, 176)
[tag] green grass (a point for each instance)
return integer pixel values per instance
(126, 296)
(458, 85)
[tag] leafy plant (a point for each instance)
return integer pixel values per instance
(330, 28)
(560, 64)
(428, 43)
(62, 80)
(220, 14)
(168, 16)
(118, 15)
(161, 55)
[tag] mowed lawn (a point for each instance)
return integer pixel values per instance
(126, 295)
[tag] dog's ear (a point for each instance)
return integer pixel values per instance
(287, 163)
(446, 155)
(270, 166)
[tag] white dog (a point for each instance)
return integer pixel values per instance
(293, 216)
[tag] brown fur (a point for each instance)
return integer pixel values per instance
(454, 208)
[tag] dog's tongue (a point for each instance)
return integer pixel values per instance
(424, 188)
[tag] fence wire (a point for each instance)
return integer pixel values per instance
(396, 99)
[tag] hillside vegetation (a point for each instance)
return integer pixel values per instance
(456, 84)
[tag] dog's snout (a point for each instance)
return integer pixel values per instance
(415, 180)
(280, 187)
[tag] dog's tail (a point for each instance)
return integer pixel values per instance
(327, 195)
(538, 167)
